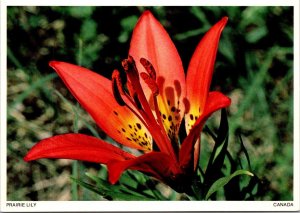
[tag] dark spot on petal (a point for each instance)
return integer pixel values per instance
(164, 116)
(123, 130)
(169, 118)
(169, 103)
(130, 126)
(128, 139)
(191, 117)
(173, 109)
(138, 125)
(115, 113)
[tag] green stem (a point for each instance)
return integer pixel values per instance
(75, 165)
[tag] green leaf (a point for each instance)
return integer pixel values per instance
(81, 12)
(127, 24)
(121, 188)
(221, 141)
(224, 180)
(255, 35)
(245, 151)
(88, 29)
(113, 192)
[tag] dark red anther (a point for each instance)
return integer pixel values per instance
(149, 68)
(130, 67)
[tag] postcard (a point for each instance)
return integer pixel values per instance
(149, 106)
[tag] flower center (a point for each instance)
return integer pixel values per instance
(130, 94)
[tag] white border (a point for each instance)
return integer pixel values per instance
(142, 206)
(296, 104)
(3, 85)
(151, 3)
(73, 206)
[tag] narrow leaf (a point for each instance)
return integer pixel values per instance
(109, 193)
(224, 180)
(216, 160)
(245, 151)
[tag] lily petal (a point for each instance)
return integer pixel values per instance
(157, 164)
(151, 41)
(95, 94)
(200, 72)
(77, 147)
(215, 101)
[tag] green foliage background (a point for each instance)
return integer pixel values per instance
(254, 67)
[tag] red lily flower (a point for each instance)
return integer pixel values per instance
(144, 113)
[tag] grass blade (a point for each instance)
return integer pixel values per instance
(224, 180)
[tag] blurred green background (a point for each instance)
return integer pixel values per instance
(254, 67)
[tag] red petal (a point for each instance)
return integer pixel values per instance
(200, 71)
(77, 147)
(95, 94)
(157, 164)
(215, 101)
(151, 41)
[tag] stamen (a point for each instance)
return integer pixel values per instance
(136, 88)
(149, 68)
(130, 68)
(151, 83)
(130, 89)
(118, 91)
(137, 97)
(150, 80)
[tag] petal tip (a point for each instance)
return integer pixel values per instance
(147, 16)
(27, 158)
(224, 21)
(53, 63)
(147, 13)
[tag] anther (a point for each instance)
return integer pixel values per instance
(149, 68)
(130, 67)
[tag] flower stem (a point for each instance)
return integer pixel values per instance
(75, 165)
